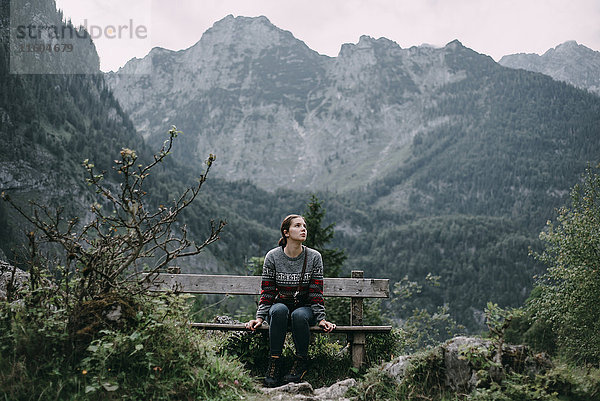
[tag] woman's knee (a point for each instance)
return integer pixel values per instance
(279, 311)
(301, 316)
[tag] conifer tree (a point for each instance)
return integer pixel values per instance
(319, 237)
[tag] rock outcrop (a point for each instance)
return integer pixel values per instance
(466, 363)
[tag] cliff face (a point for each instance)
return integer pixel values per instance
(275, 110)
(568, 62)
(41, 42)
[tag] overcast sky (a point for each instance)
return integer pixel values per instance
(492, 27)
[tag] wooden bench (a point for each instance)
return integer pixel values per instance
(356, 287)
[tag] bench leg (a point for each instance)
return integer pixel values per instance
(356, 319)
(358, 349)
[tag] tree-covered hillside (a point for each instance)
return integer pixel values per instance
(513, 142)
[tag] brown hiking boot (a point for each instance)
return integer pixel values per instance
(272, 376)
(298, 370)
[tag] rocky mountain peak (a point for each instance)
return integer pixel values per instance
(366, 43)
(247, 88)
(454, 45)
(567, 49)
(568, 45)
(243, 34)
(569, 62)
(230, 36)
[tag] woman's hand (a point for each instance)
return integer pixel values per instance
(327, 326)
(254, 324)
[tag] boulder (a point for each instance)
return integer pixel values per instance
(10, 275)
(397, 367)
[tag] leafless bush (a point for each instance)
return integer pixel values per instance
(106, 253)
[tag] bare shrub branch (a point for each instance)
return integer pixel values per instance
(124, 229)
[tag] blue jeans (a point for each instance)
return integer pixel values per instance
(301, 320)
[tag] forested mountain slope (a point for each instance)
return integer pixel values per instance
(248, 90)
(50, 123)
(415, 130)
(513, 144)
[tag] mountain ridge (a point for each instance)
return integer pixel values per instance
(299, 89)
(569, 62)
(291, 118)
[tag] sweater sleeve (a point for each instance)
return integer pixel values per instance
(315, 288)
(268, 288)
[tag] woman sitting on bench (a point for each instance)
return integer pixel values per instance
(291, 291)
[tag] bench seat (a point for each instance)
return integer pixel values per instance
(314, 329)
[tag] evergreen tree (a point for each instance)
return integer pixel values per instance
(319, 237)
(567, 296)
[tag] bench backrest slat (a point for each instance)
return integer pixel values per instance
(250, 285)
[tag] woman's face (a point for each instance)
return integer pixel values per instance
(297, 230)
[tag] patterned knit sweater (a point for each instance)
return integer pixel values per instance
(281, 276)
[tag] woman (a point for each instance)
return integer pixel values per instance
(289, 295)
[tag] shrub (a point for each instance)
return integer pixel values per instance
(384, 347)
(125, 234)
(146, 363)
(138, 361)
(560, 383)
